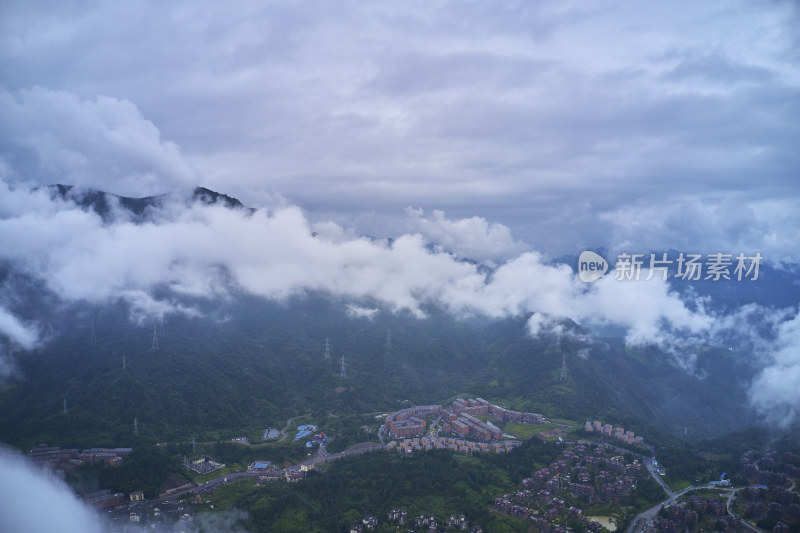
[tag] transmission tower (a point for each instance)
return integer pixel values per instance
(155, 338)
(65, 406)
(327, 348)
(563, 366)
(92, 337)
(135, 426)
(192, 443)
(388, 340)
(341, 372)
(124, 363)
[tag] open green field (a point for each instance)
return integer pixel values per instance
(525, 431)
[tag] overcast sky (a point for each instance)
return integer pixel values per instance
(574, 124)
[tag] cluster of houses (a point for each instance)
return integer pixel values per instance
(177, 512)
(465, 422)
(768, 497)
(582, 472)
(685, 515)
(628, 437)
(424, 522)
(545, 521)
(762, 471)
(410, 422)
(105, 499)
(66, 460)
(459, 418)
(773, 502)
(453, 444)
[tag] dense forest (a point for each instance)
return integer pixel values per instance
(251, 363)
(439, 483)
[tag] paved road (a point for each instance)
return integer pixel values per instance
(745, 523)
(283, 431)
(647, 516)
(364, 447)
(650, 468)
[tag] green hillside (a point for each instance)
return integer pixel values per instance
(254, 363)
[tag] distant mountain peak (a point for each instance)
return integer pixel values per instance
(101, 202)
(210, 197)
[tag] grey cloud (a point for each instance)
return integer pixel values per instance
(717, 68)
(51, 136)
(425, 74)
(732, 225)
(519, 96)
(491, 109)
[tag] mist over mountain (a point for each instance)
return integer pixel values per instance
(252, 362)
(246, 298)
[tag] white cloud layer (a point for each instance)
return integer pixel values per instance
(209, 251)
(24, 488)
(13, 328)
(775, 392)
(471, 238)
